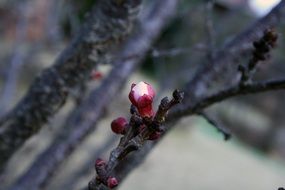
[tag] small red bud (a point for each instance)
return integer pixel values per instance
(154, 136)
(119, 125)
(96, 75)
(112, 182)
(99, 163)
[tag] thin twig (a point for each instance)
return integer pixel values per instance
(172, 52)
(236, 90)
(218, 126)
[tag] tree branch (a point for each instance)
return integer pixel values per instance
(175, 115)
(197, 86)
(134, 160)
(85, 169)
(226, 132)
(108, 23)
(83, 120)
(223, 60)
(237, 90)
(136, 137)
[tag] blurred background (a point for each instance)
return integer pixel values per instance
(194, 155)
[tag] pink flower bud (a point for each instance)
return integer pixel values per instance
(141, 96)
(119, 125)
(112, 182)
(154, 136)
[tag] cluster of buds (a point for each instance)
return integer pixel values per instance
(141, 97)
(263, 45)
(260, 52)
(109, 181)
(144, 124)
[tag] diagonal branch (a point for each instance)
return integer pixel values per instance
(225, 131)
(237, 90)
(134, 160)
(83, 120)
(197, 86)
(139, 131)
(223, 60)
(108, 23)
(196, 108)
(85, 169)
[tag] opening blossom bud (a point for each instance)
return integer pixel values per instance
(119, 125)
(112, 182)
(141, 96)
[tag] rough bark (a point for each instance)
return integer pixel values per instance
(108, 23)
(83, 120)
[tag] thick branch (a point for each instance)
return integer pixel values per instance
(84, 119)
(108, 23)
